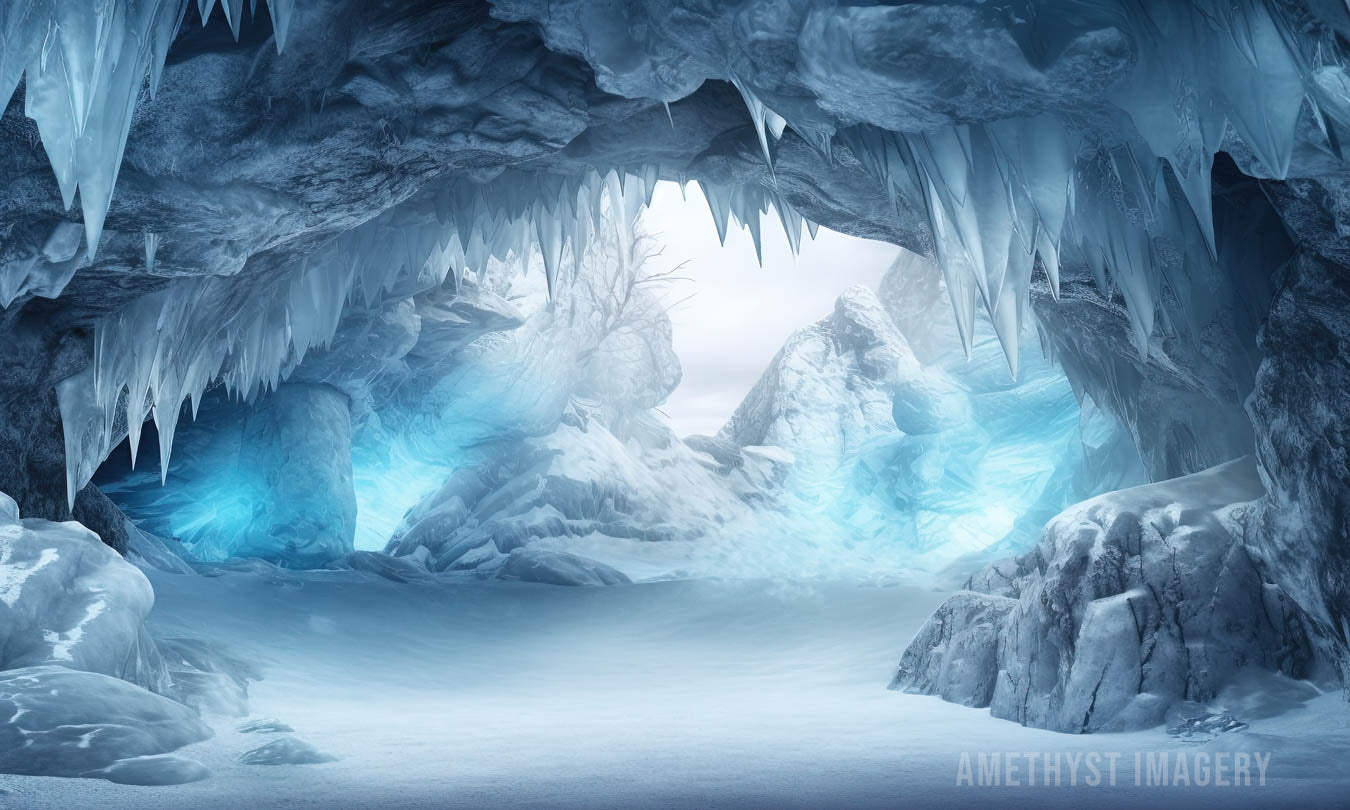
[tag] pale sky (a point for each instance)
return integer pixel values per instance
(739, 313)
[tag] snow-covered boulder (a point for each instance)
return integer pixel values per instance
(1133, 601)
(286, 751)
(559, 568)
(61, 722)
(69, 600)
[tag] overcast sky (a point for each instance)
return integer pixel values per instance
(739, 314)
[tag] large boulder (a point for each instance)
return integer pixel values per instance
(67, 599)
(1133, 601)
(60, 722)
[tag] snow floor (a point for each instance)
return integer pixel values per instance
(676, 694)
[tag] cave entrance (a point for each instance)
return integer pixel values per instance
(679, 406)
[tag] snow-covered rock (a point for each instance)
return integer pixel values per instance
(61, 722)
(955, 655)
(837, 384)
(558, 568)
(1133, 601)
(67, 599)
(580, 481)
(285, 751)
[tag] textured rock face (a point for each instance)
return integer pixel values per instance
(955, 655)
(1303, 444)
(68, 600)
(32, 457)
(1134, 600)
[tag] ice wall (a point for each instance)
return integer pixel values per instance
(271, 480)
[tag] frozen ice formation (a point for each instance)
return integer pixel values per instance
(1007, 183)
(84, 67)
(884, 462)
(158, 352)
(67, 599)
(1134, 600)
(836, 385)
(62, 722)
(272, 481)
(939, 458)
(585, 480)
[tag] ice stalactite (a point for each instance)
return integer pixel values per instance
(767, 122)
(168, 346)
(85, 63)
(151, 249)
(1003, 195)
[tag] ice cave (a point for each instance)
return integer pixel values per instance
(680, 404)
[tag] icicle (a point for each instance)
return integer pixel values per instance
(651, 174)
(719, 205)
(83, 427)
(166, 347)
(151, 248)
(792, 224)
(549, 228)
(82, 88)
(618, 212)
(766, 121)
(281, 11)
(234, 15)
(752, 221)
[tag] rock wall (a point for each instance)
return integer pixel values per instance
(1299, 410)
(1134, 601)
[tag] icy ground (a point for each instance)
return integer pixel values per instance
(691, 693)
